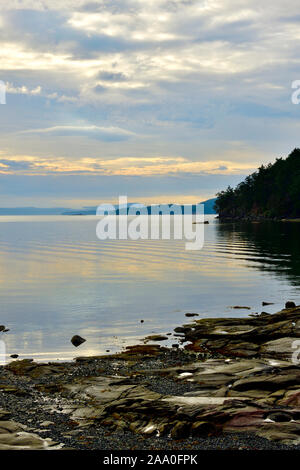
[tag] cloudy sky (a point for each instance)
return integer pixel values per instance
(162, 100)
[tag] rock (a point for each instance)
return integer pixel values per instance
(291, 398)
(14, 356)
(175, 345)
(202, 429)
(244, 337)
(10, 427)
(77, 340)
(290, 305)
(243, 381)
(21, 367)
(13, 390)
(26, 441)
(14, 436)
(156, 338)
(142, 321)
(241, 307)
(182, 329)
(139, 351)
(280, 349)
(180, 430)
(198, 346)
(242, 349)
(46, 423)
(2, 327)
(248, 418)
(286, 433)
(192, 314)
(279, 379)
(280, 417)
(150, 429)
(4, 414)
(34, 370)
(267, 303)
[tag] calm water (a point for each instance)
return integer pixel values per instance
(57, 279)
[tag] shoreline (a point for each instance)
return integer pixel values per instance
(257, 219)
(231, 385)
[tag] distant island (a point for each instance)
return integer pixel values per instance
(271, 192)
(208, 208)
(90, 210)
(28, 210)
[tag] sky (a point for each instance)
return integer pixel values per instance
(159, 100)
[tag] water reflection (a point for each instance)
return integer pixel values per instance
(57, 279)
(269, 246)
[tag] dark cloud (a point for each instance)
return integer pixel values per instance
(111, 76)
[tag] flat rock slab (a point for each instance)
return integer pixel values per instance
(255, 387)
(200, 401)
(14, 436)
(259, 336)
(281, 348)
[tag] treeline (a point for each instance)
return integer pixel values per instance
(273, 191)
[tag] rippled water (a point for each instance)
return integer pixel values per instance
(57, 279)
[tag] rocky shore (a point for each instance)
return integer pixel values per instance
(233, 384)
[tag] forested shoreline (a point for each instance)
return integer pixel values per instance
(271, 192)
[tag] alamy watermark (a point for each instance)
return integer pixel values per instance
(296, 94)
(2, 92)
(137, 221)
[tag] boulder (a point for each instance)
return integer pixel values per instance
(290, 305)
(77, 340)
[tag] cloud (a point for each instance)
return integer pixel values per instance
(123, 166)
(92, 132)
(179, 78)
(22, 90)
(11, 166)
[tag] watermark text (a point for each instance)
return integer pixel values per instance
(155, 222)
